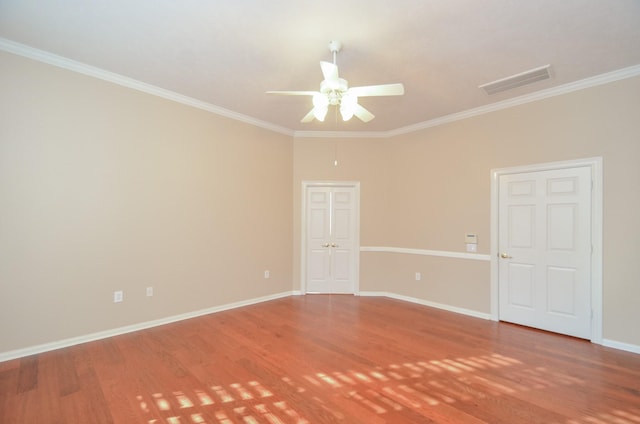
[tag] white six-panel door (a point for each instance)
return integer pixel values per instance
(331, 245)
(544, 239)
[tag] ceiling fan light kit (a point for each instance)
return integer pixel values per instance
(335, 91)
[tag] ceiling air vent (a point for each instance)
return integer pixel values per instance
(518, 80)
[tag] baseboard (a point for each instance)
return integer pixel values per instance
(46, 347)
(33, 350)
(605, 342)
(423, 302)
(621, 346)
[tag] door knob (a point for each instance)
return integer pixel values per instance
(334, 245)
(505, 256)
(326, 245)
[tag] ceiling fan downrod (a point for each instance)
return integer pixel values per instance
(335, 47)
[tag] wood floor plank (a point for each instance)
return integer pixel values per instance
(67, 373)
(326, 359)
(28, 377)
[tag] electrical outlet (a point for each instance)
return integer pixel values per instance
(149, 291)
(266, 274)
(118, 296)
(418, 276)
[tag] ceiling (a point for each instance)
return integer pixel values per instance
(228, 53)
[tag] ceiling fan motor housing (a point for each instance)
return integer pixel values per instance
(334, 89)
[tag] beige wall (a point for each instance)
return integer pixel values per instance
(358, 159)
(103, 188)
(430, 187)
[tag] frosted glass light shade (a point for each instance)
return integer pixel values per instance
(348, 106)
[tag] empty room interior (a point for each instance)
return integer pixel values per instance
(348, 212)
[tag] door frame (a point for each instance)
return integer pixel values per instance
(595, 164)
(306, 185)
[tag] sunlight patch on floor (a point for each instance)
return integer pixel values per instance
(415, 386)
(615, 416)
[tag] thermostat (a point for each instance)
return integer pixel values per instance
(471, 238)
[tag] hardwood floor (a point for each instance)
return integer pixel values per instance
(326, 359)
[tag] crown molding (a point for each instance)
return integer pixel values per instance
(340, 134)
(112, 77)
(72, 65)
(620, 74)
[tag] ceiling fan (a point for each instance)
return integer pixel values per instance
(335, 91)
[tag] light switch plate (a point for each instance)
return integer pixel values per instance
(118, 296)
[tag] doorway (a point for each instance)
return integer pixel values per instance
(546, 247)
(330, 237)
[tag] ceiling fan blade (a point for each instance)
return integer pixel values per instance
(378, 90)
(363, 114)
(308, 117)
(293, 93)
(329, 71)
